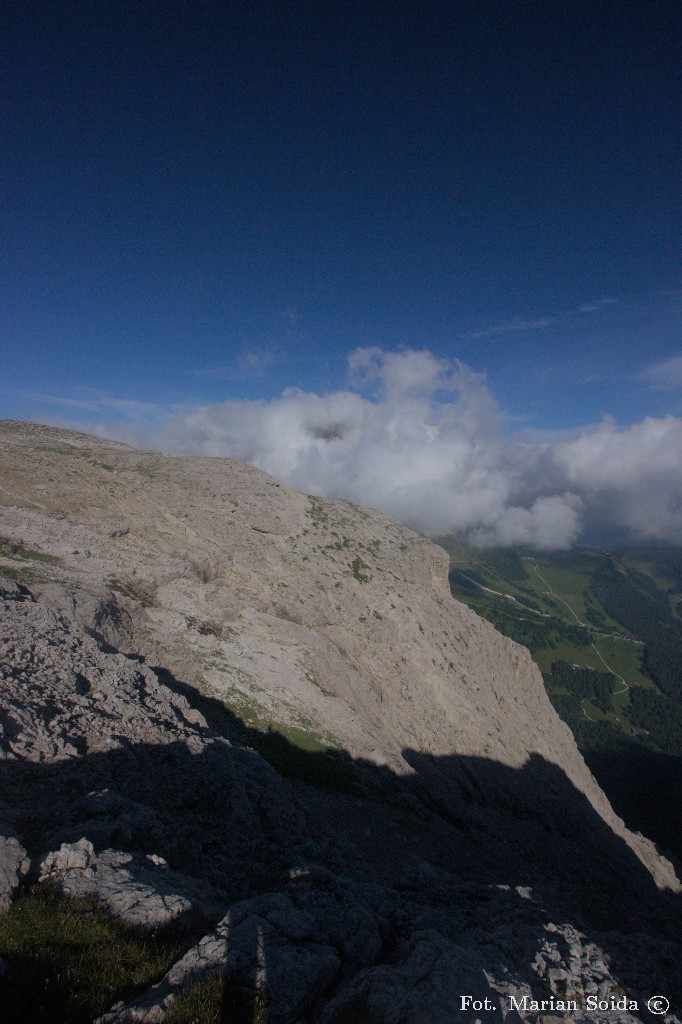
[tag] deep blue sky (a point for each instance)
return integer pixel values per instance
(208, 201)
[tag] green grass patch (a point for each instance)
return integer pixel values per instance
(200, 1004)
(296, 752)
(71, 961)
(625, 658)
(38, 556)
(596, 714)
(317, 512)
(567, 583)
(59, 449)
(358, 567)
(622, 656)
(338, 545)
(10, 549)
(17, 575)
(300, 756)
(581, 656)
(212, 1001)
(304, 757)
(620, 702)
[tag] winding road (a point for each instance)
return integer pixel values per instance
(498, 593)
(625, 685)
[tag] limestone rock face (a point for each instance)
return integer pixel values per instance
(159, 613)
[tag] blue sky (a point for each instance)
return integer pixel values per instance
(211, 203)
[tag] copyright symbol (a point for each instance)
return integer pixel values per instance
(658, 1004)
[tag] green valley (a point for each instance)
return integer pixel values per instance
(605, 629)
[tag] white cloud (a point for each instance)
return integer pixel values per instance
(427, 448)
(664, 376)
(538, 324)
(147, 414)
(595, 306)
(629, 477)
(255, 360)
(420, 438)
(542, 322)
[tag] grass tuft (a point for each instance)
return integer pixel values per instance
(11, 549)
(358, 567)
(69, 960)
(212, 1001)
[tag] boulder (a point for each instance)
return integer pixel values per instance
(141, 890)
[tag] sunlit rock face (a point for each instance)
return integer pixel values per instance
(454, 838)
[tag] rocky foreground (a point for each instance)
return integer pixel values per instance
(439, 835)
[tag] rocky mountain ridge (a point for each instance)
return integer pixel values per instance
(335, 624)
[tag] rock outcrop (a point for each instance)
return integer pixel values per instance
(14, 864)
(422, 826)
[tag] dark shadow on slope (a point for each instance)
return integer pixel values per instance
(645, 789)
(533, 824)
(519, 827)
(226, 816)
(331, 770)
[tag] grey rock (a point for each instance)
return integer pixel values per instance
(14, 865)
(111, 819)
(425, 987)
(292, 944)
(140, 890)
(69, 857)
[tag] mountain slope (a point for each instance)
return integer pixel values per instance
(335, 625)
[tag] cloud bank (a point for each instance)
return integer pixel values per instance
(420, 438)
